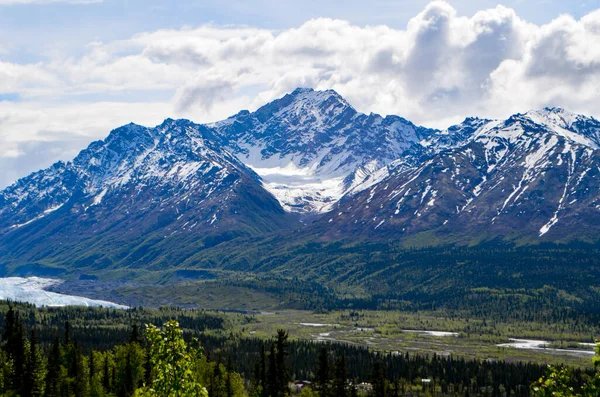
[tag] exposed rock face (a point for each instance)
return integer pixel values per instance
(533, 176)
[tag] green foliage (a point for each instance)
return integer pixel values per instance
(63, 370)
(110, 365)
(130, 359)
(308, 392)
(555, 384)
(5, 372)
(559, 382)
(322, 375)
(171, 364)
(35, 371)
(340, 377)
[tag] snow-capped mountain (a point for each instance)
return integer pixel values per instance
(535, 174)
(146, 195)
(311, 147)
(137, 183)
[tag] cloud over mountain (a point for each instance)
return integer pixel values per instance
(439, 69)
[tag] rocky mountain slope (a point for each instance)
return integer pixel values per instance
(535, 175)
(149, 195)
(138, 184)
(311, 147)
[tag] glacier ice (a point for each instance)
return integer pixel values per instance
(32, 290)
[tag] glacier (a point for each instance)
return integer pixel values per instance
(32, 290)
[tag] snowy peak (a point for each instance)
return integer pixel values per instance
(305, 104)
(559, 117)
(534, 175)
(557, 121)
(311, 152)
(177, 167)
(312, 147)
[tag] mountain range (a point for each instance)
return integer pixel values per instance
(305, 167)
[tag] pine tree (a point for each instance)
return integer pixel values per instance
(263, 369)
(216, 381)
(16, 352)
(259, 374)
(282, 373)
(9, 327)
(322, 376)
(67, 333)
(106, 374)
(81, 385)
(130, 360)
(5, 369)
(378, 380)
(127, 386)
(113, 377)
(33, 385)
(339, 379)
(228, 384)
(92, 366)
(271, 387)
(135, 335)
(53, 374)
(96, 389)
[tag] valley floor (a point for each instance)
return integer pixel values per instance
(254, 313)
(430, 333)
(449, 333)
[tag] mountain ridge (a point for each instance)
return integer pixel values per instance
(499, 173)
(307, 166)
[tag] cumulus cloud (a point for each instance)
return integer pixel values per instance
(438, 70)
(203, 92)
(34, 135)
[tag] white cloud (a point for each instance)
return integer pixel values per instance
(441, 68)
(34, 135)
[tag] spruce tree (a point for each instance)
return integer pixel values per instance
(271, 387)
(282, 373)
(263, 369)
(378, 380)
(135, 335)
(67, 333)
(9, 326)
(106, 374)
(228, 382)
(33, 385)
(259, 374)
(53, 374)
(322, 376)
(16, 352)
(96, 389)
(92, 366)
(127, 387)
(5, 368)
(339, 379)
(81, 384)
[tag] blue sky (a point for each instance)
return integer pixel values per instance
(72, 70)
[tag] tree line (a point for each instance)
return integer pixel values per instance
(231, 366)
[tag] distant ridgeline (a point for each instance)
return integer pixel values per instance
(91, 351)
(371, 208)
